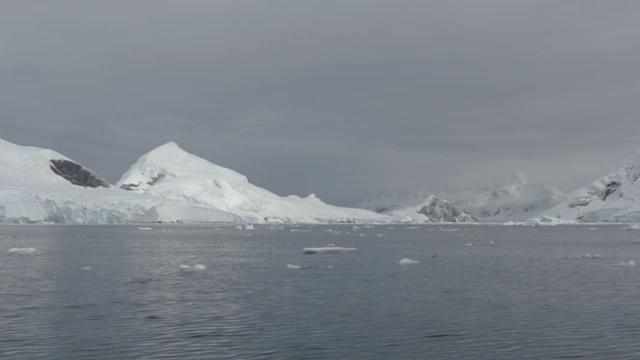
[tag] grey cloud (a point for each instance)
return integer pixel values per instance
(337, 98)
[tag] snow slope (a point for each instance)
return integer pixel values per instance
(39, 185)
(612, 198)
(171, 173)
(431, 210)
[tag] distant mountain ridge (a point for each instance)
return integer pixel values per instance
(518, 201)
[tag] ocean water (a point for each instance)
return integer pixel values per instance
(207, 292)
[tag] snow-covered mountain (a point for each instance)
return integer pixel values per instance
(171, 173)
(518, 201)
(612, 198)
(431, 210)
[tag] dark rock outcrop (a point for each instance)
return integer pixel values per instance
(77, 174)
(438, 210)
(154, 180)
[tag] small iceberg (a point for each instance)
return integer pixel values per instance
(469, 244)
(328, 250)
(249, 227)
(189, 268)
(406, 262)
(631, 263)
(85, 268)
(22, 251)
(293, 267)
(144, 228)
(633, 227)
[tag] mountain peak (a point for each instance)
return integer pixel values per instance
(167, 150)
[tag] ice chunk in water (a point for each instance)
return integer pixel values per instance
(405, 262)
(631, 263)
(328, 250)
(293, 267)
(197, 267)
(22, 251)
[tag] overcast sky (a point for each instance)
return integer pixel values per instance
(340, 98)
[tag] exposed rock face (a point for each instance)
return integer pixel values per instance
(154, 180)
(438, 210)
(431, 210)
(76, 174)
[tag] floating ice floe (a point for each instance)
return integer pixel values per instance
(298, 230)
(633, 227)
(144, 228)
(249, 227)
(492, 242)
(405, 262)
(631, 263)
(469, 244)
(589, 256)
(361, 235)
(379, 235)
(86, 268)
(593, 228)
(293, 267)
(449, 229)
(238, 227)
(196, 267)
(22, 251)
(328, 250)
